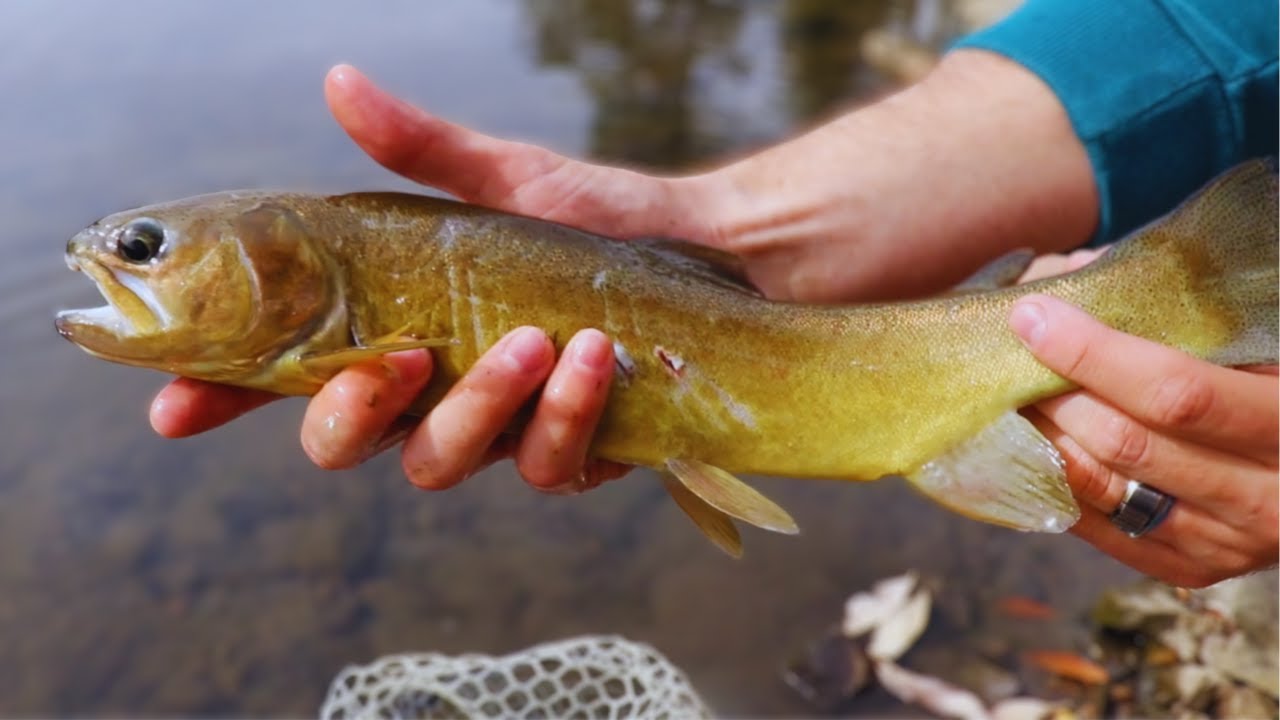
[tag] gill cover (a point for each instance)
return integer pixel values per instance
(293, 291)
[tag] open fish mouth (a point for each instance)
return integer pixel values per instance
(132, 309)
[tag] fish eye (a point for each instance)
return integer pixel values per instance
(140, 240)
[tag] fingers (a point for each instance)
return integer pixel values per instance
(1151, 555)
(452, 440)
(1110, 448)
(511, 176)
(1053, 264)
(1223, 521)
(187, 407)
(346, 421)
(554, 446)
(1158, 386)
(429, 150)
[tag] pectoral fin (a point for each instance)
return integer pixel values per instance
(731, 496)
(327, 363)
(717, 526)
(1008, 474)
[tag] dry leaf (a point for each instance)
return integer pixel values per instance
(1024, 608)
(867, 610)
(895, 636)
(934, 695)
(1072, 666)
(1022, 708)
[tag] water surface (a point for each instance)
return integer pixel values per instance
(224, 575)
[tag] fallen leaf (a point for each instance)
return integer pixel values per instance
(1024, 608)
(934, 695)
(1072, 666)
(895, 636)
(867, 610)
(1022, 708)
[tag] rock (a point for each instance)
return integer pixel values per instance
(897, 633)
(1137, 607)
(830, 671)
(1242, 701)
(1022, 708)
(1178, 688)
(1249, 659)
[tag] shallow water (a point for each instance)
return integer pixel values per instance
(224, 575)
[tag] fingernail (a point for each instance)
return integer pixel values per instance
(1028, 320)
(525, 349)
(575, 486)
(592, 351)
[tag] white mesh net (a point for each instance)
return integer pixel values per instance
(585, 677)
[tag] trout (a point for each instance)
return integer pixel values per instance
(279, 291)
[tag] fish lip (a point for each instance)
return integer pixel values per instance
(125, 314)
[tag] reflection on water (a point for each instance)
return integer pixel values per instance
(225, 575)
(646, 66)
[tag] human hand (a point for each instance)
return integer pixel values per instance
(1206, 435)
(1057, 264)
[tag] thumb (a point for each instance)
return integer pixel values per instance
(1062, 337)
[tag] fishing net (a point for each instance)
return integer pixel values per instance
(585, 677)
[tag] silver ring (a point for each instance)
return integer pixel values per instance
(1142, 509)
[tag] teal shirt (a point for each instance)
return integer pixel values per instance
(1165, 94)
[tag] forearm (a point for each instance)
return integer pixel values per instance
(912, 193)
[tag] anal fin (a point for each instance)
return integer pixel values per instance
(717, 526)
(1008, 474)
(731, 496)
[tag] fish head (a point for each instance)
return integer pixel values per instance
(211, 287)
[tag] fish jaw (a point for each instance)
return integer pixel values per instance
(131, 311)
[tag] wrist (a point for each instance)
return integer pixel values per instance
(911, 193)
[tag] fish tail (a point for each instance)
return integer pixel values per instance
(1224, 240)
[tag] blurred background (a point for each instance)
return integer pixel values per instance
(224, 575)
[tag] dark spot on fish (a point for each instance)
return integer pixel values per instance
(674, 363)
(198, 305)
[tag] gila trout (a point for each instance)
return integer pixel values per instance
(280, 291)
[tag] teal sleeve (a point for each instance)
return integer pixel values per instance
(1165, 94)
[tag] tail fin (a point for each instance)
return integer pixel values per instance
(1226, 237)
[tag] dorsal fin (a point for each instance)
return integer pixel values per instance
(715, 266)
(999, 273)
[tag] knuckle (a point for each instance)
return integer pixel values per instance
(1124, 442)
(1235, 563)
(1092, 479)
(1254, 512)
(1181, 399)
(1075, 360)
